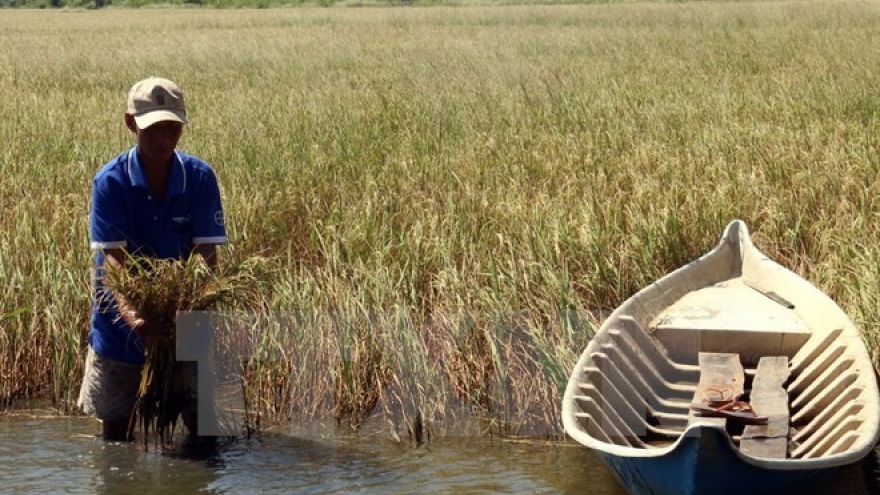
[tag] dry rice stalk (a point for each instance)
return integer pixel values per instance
(470, 363)
(361, 373)
(158, 289)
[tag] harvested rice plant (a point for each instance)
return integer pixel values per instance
(448, 199)
(158, 290)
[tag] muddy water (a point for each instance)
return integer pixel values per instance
(42, 454)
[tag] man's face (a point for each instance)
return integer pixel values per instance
(158, 141)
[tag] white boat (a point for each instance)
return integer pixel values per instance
(731, 375)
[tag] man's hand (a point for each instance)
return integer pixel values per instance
(151, 330)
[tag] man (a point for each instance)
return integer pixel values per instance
(152, 200)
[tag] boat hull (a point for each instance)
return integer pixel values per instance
(704, 463)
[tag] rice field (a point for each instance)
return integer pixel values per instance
(449, 198)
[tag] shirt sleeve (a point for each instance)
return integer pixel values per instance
(209, 226)
(108, 219)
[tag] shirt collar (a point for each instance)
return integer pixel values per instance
(176, 183)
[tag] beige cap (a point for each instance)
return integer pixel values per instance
(155, 100)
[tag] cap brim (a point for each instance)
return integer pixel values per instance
(147, 119)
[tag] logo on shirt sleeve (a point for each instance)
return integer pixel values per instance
(218, 218)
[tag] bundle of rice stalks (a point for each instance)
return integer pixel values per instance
(157, 289)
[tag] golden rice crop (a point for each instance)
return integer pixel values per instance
(438, 172)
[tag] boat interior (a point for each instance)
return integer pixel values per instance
(780, 389)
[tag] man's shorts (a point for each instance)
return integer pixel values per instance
(109, 388)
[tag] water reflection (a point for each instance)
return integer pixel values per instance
(277, 462)
(122, 468)
(61, 455)
(29, 464)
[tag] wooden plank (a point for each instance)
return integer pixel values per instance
(721, 377)
(720, 374)
(769, 398)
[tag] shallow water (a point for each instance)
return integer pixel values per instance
(44, 454)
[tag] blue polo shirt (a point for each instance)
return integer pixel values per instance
(124, 215)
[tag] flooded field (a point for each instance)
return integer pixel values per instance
(45, 454)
